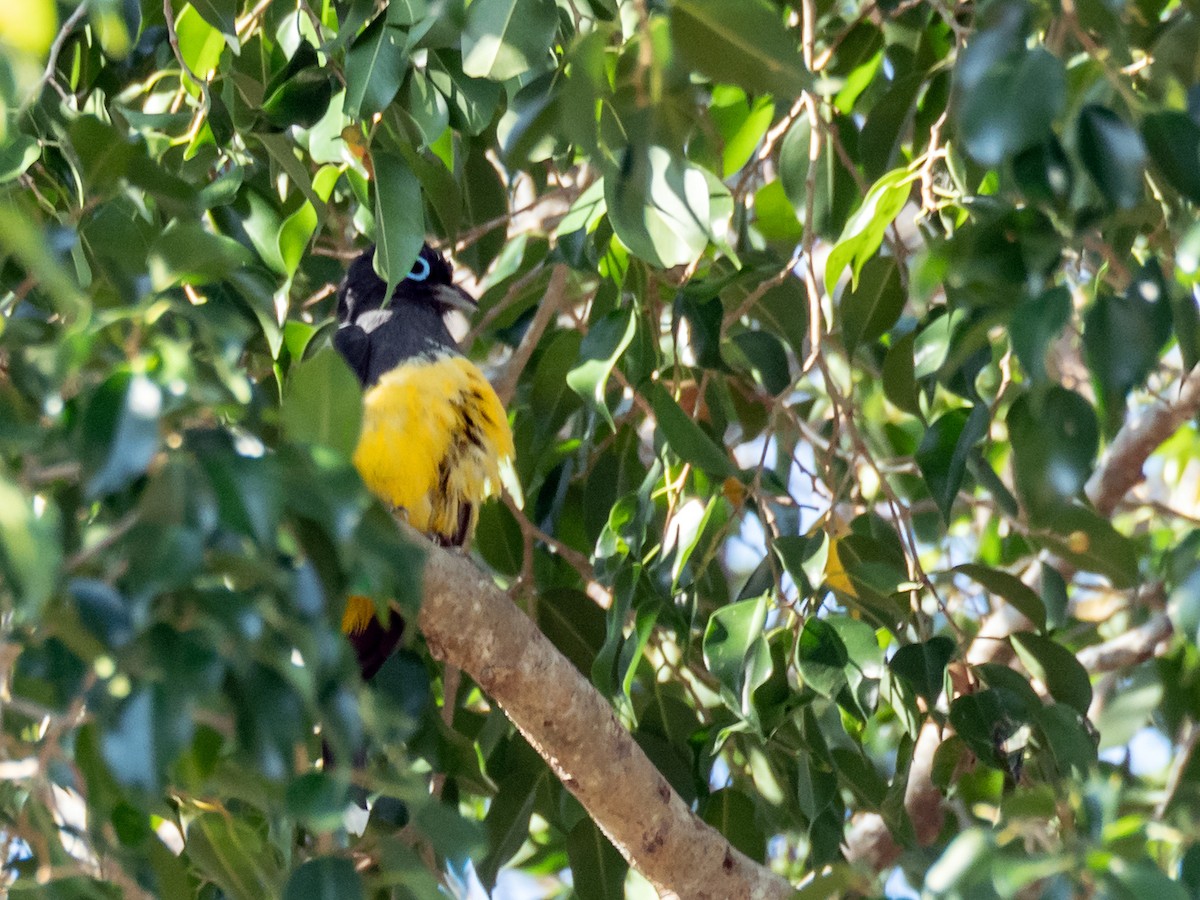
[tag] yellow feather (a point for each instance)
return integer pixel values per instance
(433, 438)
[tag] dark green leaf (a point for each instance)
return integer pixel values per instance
(1173, 140)
(685, 438)
(944, 451)
(752, 49)
(375, 67)
(317, 800)
(1055, 438)
(870, 308)
(899, 375)
(506, 38)
(1113, 154)
(822, 658)
(767, 359)
(1057, 668)
(1012, 105)
(220, 14)
(121, 431)
(322, 404)
(325, 878)
(732, 813)
(399, 219)
(499, 539)
(1123, 336)
(597, 869)
(1036, 323)
(185, 253)
(924, 665)
(1023, 598)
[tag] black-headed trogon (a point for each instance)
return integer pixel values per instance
(434, 433)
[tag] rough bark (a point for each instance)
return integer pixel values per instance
(468, 622)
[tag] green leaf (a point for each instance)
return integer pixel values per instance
(521, 774)
(751, 48)
(900, 377)
(1012, 105)
(1123, 337)
(498, 539)
(235, 856)
(325, 878)
(30, 550)
(1113, 154)
(1089, 541)
(945, 449)
(220, 14)
(299, 93)
(663, 208)
(598, 354)
(766, 359)
(864, 232)
(121, 426)
(735, 649)
(871, 307)
(16, 156)
(985, 719)
(597, 868)
(375, 67)
(732, 813)
(399, 219)
(103, 611)
(822, 658)
(144, 737)
(923, 665)
(1068, 737)
(1022, 597)
(1173, 140)
(685, 438)
(318, 801)
(322, 404)
(1043, 172)
(506, 38)
(185, 253)
(1036, 323)
(472, 101)
(1055, 438)
(1056, 667)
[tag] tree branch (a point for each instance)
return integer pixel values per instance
(470, 623)
(1122, 466)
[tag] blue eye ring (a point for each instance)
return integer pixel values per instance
(420, 270)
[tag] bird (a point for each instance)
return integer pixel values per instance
(435, 435)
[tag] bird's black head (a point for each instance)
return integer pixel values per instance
(429, 283)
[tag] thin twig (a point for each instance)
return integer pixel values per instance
(56, 48)
(556, 293)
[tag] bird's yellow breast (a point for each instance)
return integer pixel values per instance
(434, 435)
(433, 438)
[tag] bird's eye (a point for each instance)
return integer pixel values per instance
(420, 270)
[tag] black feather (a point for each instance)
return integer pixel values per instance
(355, 346)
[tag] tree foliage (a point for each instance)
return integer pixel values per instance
(837, 337)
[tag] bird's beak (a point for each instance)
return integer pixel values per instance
(452, 296)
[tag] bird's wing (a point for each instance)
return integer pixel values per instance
(355, 346)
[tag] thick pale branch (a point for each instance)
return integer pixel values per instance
(468, 622)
